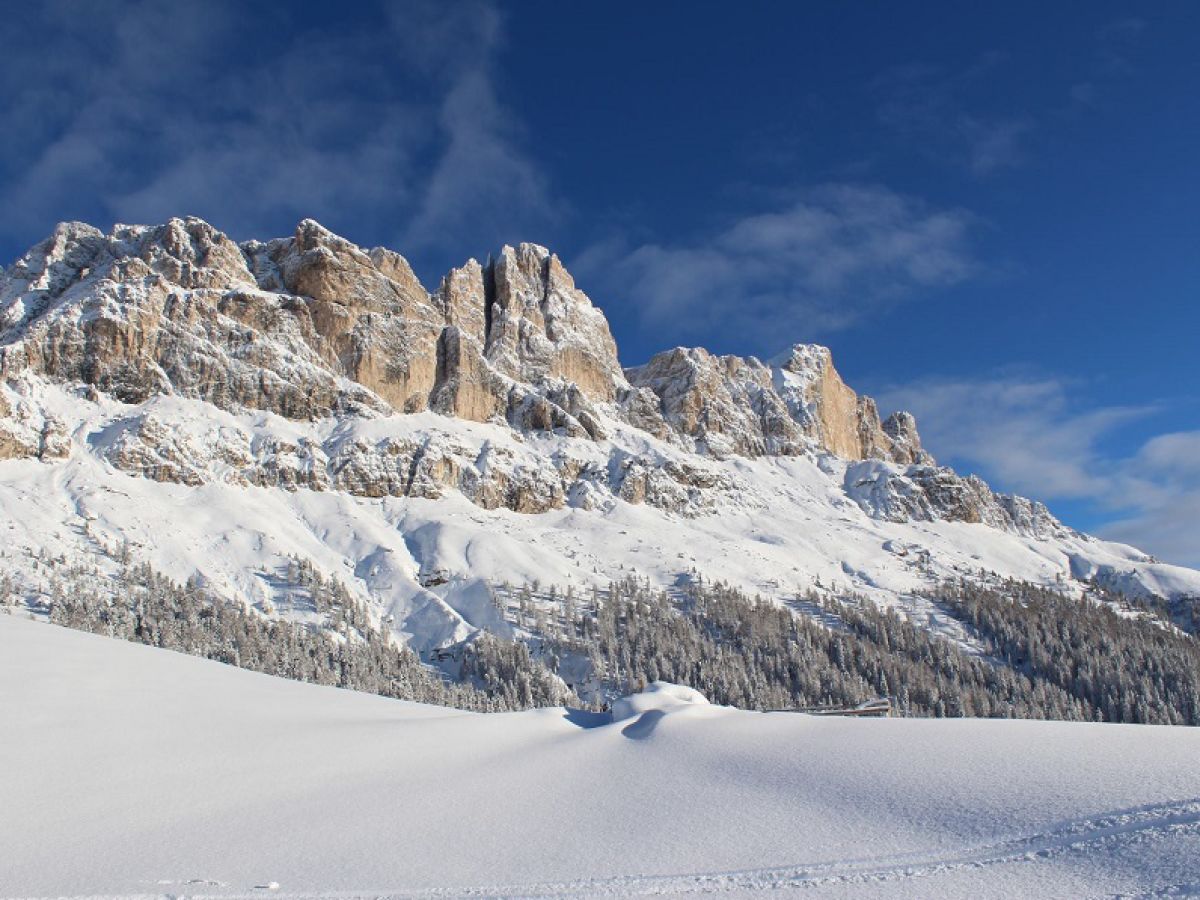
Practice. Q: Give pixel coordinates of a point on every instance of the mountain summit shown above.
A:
(312, 326)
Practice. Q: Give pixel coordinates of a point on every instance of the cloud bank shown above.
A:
(815, 264)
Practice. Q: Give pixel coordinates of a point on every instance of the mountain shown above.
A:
(218, 411)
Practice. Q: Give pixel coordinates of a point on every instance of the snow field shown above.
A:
(127, 770)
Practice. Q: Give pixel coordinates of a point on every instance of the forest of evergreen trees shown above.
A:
(346, 650)
(757, 654)
(1043, 654)
(1130, 667)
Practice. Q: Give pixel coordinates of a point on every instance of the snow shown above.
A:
(659, 697)
(127, 770)
(785, 525)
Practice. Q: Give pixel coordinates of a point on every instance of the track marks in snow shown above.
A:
(1106, 832)
(1085, 836)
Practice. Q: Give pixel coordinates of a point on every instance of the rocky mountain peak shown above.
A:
(794, 404)
(320, 331)
(312, 325)
(542, 327)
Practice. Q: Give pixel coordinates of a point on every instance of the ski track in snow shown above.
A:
(1122, 827)
(1106, 832)
(1153, 822)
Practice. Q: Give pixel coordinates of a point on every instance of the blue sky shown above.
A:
(988, 213)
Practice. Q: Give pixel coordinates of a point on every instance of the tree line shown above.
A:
(1044, 654)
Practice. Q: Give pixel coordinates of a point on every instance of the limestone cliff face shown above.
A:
(542, 327)
(314, 328)
(730, 404)
(311, 325)
(523, 343)
(307, 326)
(371, 320)
(906, 448)
(725, 403)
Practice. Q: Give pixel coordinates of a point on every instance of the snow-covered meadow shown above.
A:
(132, 771)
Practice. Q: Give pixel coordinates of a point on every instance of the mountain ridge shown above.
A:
(312, 326)
(485, 431)
(463, 349)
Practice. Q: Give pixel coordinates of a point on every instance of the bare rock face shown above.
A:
(841, 421)
(541, 327)
(730, 404)
(466, 385)
(312, 327)
(372, 321)
(725, 403)
(522, 344)
(931, 493)
(901, 427)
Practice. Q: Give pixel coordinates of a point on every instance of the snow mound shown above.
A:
(659, 696)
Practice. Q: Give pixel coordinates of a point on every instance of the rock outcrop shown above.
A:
(928, 493)
(28, 431)
(735, 405)
(492, 472)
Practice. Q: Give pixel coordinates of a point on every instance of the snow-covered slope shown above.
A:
(217, 409)
(776, 525)
(126, 770)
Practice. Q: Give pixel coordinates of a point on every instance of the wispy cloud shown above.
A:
(815, 264)
(1163, 482)
(1116, 46)
(933, 109)
(1029, 434)
(169, 109)
(482, 184)
(1116, 43)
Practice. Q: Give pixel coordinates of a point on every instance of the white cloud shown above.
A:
(1167, 529)
(1161, 485)
(817, 263)
(932, 109)
(1031, 435)
(169, 109)
(1021, 430)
